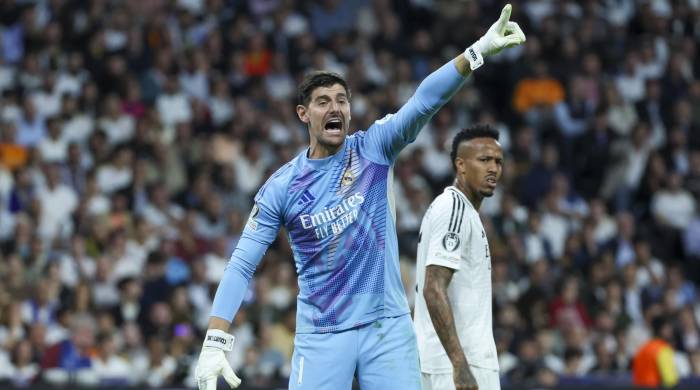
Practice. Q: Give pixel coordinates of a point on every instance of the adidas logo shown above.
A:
(306, 197)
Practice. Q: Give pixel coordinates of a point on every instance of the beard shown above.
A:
(487, 193)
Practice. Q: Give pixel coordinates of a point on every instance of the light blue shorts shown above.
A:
(382, 354)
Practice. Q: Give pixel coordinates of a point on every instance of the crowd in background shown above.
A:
(134, 134)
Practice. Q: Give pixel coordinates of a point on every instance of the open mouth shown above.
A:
(334, 125)
(491, 180)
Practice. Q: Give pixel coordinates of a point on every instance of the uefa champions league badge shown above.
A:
(450, 242)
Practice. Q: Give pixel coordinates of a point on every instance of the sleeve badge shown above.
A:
(450, 242)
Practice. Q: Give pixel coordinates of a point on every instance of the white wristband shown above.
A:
(473, 55)
(217, 338)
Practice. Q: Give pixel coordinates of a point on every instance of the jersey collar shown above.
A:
(325, 163)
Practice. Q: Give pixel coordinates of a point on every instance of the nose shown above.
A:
(334, 106)
(493, 168)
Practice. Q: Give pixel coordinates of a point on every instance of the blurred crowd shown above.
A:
(133, 135)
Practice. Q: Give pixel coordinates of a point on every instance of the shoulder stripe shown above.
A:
(458, 208)
(461, 215)
(452, 216)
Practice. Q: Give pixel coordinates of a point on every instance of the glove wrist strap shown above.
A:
(473, 55)
(219, 339)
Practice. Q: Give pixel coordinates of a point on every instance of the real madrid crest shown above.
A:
(450, 242)
(348, 178)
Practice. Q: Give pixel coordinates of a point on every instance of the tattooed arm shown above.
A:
(437, 278)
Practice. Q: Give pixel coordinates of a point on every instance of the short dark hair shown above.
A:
(316, 79)
(657, 325)
(471, 132)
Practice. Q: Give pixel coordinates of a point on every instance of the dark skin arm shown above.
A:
(437, 278)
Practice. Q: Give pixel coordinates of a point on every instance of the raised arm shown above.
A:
(388, 136)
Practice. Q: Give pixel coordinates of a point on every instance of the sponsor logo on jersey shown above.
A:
(306, 197)
(450, 242)
(333, 220)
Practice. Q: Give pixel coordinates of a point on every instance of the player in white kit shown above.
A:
(453, 317)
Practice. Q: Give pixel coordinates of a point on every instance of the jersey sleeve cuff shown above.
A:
(443, 261)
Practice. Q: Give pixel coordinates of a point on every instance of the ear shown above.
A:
(459, 163)
(303, 114)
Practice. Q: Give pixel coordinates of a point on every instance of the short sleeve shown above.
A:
(448, 232)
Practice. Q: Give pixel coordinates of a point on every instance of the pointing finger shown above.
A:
(505, 16)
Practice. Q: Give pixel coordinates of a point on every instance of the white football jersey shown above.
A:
(451, 235)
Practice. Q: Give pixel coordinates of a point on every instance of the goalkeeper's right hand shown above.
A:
(212, 361)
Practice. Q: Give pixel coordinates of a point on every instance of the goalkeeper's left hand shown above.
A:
(212, 361)
(500, 35)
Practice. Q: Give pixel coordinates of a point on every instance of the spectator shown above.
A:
(536, 182)
(22, 369)
(653, 364)
(57, 202)
(173, 106)
(631, 155)
(630, 82)
(566, 310)
(528, 365)
(118, 126)
(573, 114)
(71, 359)
(673, 206)
(42, 307)
(688, 338)
(31, 127)
(110, 368)
(622, 115)
(572, 362)
(77, 122)
(537, 246)
(593, 155)
(540, 91)
(53, 148)
(126, 169)
(161, 366)
(651, 108)
(555, 224)
(116, 176)
(129, 308)
(682, 290)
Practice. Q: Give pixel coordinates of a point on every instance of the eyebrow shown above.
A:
(489, 156)
(482, 154)
(326, 96)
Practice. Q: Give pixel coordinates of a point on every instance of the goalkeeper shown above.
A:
(335, 200)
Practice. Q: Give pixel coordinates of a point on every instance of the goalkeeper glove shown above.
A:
(212, 361)
(500, 35)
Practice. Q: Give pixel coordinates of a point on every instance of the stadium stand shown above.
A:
(133, 135)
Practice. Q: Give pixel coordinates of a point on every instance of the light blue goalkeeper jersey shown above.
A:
(340, 218)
